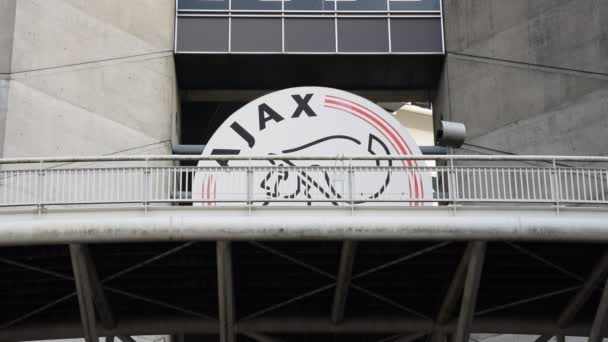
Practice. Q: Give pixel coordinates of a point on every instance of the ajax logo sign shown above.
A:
(312, 121)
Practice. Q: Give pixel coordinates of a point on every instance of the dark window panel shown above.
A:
(256, 35)
(420, 5)
(362, 5)
(202, 34)
(416, 35)
(310, 35)
(309, 5)
(362, 35)
(259, 5)
(203, 4)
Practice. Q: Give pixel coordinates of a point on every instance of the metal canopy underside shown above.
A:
(286, 289)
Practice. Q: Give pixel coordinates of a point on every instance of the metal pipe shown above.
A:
(471, 287)
(428, 225)
(180, 149)
(543, 158)
(188, 149)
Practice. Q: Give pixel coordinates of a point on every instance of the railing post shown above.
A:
(452, 183)
(249, 185)
(557, 187)
(351, 186)
(146, 181)
(41, 187)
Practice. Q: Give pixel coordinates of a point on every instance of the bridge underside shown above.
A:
(286, 290)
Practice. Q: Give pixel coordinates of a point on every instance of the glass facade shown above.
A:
(310, 26)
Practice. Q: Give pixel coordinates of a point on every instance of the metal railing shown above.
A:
(296, 180)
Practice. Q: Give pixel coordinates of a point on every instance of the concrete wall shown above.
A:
(90, 78)
(7, 24)
(527, 76)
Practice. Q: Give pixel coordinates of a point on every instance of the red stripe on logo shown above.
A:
(401, 149)
(395, 131)
(382, 133)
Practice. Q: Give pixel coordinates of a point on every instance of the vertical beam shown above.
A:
(347, 260)
(600, 322)
(100, 300)
(582, 296)
(225, 291)
(453, 293)
(84, 292)
(469, 296)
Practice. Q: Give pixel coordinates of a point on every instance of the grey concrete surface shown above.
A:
(3, 110)
(559, 33)
(90, 78)
(7, 25)
(527, 76)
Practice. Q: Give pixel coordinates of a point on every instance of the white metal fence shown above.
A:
(157, 180)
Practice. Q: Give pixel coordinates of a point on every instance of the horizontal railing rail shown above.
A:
(523, 158)
(304, 180)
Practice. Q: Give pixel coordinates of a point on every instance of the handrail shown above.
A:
(528, 158)
(339, 184)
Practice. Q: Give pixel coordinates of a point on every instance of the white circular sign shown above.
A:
(311, 121)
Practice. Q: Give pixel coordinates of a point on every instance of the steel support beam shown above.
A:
(543, 338)
(225, 291)
(600, 322)
(213, 224)
(292, 325)
(471, 287)
(84, 292)
(582, 296)
(126, 338)
(102, 306)
(347, 260)
(453, 293)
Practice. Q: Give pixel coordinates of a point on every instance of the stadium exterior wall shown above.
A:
(87, 77)
(527, 76)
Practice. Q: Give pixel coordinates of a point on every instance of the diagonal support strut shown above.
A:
(471, 287)
(84, 292)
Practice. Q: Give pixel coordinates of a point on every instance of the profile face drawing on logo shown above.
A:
(312, 121)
